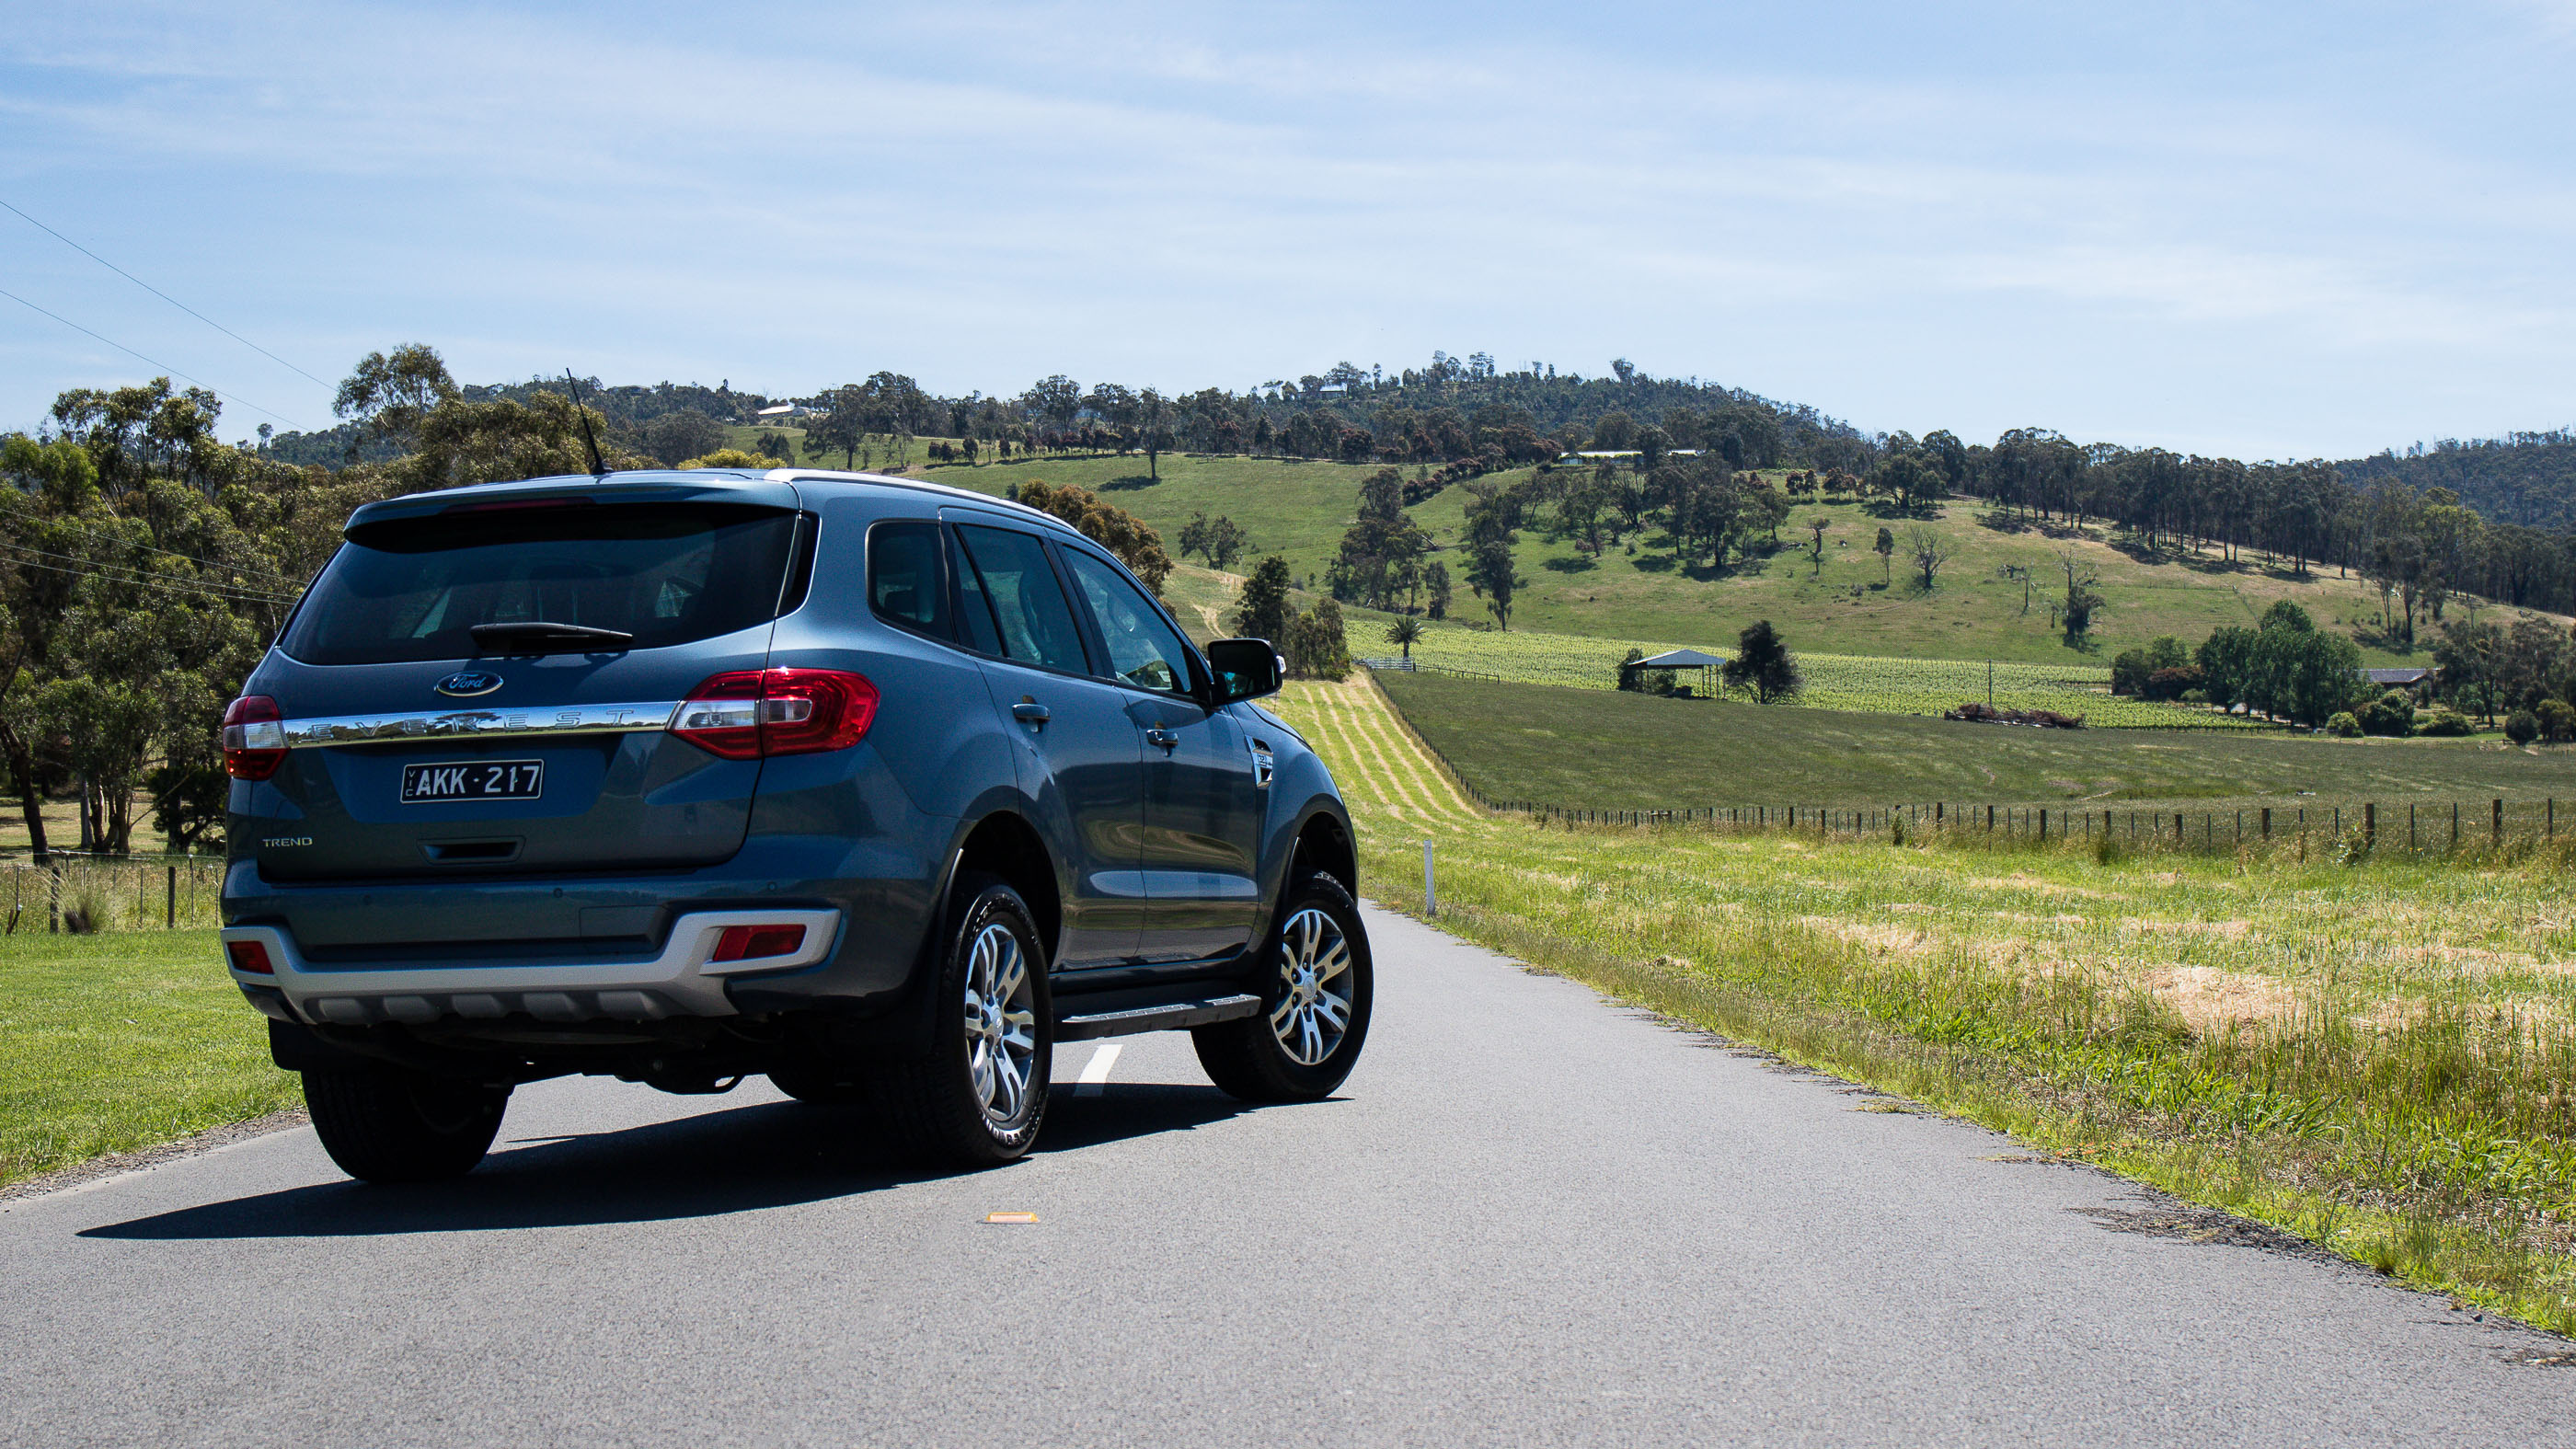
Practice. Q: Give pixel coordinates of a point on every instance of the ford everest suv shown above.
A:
(877, 787)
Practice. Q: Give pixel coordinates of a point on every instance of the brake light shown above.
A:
(515, 505)
(750, 943)
(254, 738)
(249, 956)
(750, 714)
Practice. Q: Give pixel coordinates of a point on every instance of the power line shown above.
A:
(182, 589)
(142, 575)
(154, 583)
(17, 517)
(165, 367)
(164, 296)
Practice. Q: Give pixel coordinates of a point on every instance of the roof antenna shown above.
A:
(598, 469)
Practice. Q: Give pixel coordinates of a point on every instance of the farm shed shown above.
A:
(1682, 659)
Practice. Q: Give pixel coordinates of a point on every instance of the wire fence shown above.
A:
(2427, 828)
(1416, 666)
(83, 893)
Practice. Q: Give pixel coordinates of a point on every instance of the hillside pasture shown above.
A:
(1832, 681)
(1848, 604)
(1597, 749)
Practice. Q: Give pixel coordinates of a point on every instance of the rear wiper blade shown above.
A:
(537, 631)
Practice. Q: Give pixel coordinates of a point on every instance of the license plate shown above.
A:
(474, 780)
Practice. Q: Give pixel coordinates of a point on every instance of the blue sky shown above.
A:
(2277, 231)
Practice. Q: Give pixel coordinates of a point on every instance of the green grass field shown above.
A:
(1300, 509)
(1597, 749)
(123, 1040)
(2374, 1055)
(1832, 681)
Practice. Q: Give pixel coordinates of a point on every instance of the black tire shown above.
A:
(398, 1126)
(1264, 1058)
(952, 1107)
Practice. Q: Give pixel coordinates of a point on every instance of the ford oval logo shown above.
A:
(469, 683)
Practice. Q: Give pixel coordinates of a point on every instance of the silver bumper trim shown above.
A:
(449, 724)
(683, 980)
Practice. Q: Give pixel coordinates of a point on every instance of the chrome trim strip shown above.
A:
(570, 719)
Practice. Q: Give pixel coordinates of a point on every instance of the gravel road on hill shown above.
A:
(1531, 1217)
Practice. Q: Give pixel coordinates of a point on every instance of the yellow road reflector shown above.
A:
(1010, 1217)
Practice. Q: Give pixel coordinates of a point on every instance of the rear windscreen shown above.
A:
(414, 588)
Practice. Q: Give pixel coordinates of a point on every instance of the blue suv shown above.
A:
(877, 787)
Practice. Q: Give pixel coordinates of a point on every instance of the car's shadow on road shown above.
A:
(775, 1154)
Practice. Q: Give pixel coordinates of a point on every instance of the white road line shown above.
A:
(1095, 1073)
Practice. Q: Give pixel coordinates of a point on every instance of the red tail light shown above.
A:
(249, 956)
(748, 714)
(254, 738)
(750, 943)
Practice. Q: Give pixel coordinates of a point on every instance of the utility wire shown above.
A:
(165, 367)
(164, 296)
(155, 583)
(123, 573)
(182, 589)
(14, 516)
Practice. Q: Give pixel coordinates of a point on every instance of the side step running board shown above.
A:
(1156, 1018)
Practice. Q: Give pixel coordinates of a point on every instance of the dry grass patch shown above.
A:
(2211, 999)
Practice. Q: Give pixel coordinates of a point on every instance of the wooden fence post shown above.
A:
(170, 901)
(2369, 823)
(2499, 822)
(2267, 822)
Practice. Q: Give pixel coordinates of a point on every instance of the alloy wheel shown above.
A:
(1001, 1024)
(1314, 1009)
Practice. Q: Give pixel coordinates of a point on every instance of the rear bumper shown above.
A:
(681, 980)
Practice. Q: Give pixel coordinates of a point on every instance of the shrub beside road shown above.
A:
(2372, 1054)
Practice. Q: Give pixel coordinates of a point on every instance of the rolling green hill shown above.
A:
(1845, 605)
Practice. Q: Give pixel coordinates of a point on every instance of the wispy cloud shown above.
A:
(1869, 208)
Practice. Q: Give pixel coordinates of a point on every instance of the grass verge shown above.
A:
(2374, 1054)
(114, 1042)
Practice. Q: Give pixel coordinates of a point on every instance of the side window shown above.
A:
(1028, 604)
(904, 585)
(975, 627)
(1143, 650)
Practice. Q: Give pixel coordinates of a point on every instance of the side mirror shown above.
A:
(1245, 669)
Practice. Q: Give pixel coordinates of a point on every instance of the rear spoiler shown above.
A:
(717, 488)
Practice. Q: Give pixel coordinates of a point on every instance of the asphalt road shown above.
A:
(1530, 1218)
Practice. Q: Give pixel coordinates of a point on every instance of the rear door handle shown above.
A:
(1030, 712)
(1166, 738)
